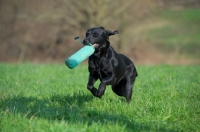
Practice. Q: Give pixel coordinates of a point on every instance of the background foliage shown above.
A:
(151, 31)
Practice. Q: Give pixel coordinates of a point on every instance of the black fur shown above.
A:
(109, 66)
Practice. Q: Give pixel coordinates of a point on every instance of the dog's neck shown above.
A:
(102, 50)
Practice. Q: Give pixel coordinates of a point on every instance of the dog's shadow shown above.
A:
(70, 108)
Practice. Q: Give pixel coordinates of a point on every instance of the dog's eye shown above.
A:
(95, 35)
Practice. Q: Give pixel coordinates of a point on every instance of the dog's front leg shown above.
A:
(90, 85)
(102, 87)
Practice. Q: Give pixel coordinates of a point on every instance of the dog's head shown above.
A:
(98, 37)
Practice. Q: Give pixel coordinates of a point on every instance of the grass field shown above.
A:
(50, 97)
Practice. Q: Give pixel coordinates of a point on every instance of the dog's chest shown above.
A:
(102, 70)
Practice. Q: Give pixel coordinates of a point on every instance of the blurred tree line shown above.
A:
(43, 31)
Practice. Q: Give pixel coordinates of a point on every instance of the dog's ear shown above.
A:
(112, 33)
(102, 28)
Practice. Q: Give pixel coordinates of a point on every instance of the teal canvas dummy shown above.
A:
(80, 55)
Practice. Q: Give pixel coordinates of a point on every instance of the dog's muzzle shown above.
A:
(86, 41)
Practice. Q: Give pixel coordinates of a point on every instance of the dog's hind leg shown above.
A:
(130, 76)
(129, 89)
(124, 88)
(119, 89)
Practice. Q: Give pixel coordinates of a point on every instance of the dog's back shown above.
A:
(128, 63)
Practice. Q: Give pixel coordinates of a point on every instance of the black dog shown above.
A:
(108, 66)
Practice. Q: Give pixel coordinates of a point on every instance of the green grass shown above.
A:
(53, 98)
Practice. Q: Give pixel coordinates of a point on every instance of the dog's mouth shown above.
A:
(96, 45)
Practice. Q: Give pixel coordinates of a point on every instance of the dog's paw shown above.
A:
(94, 91)
(100, 93)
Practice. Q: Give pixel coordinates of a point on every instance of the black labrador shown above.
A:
(108, 66)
